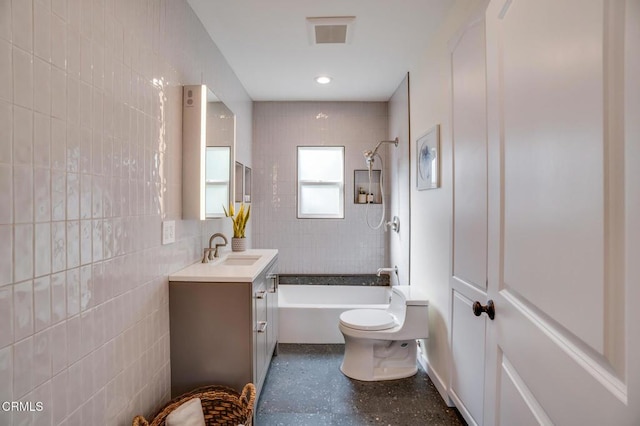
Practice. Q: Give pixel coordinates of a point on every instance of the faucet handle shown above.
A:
(207, 255)
(215, 251)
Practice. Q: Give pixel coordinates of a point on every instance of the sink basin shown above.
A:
(240, 260)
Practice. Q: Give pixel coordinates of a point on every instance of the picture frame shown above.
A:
(428, 159)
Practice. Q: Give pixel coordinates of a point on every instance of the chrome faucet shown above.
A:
(213, 252)
(381, 270)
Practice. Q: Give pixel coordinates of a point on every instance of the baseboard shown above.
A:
(435, 378)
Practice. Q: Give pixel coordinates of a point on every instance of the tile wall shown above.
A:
(90, 165)
(315, 246)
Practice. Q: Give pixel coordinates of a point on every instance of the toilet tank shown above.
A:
(410, 306)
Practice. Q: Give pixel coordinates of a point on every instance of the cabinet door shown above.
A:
(272, 312)
(260, 332)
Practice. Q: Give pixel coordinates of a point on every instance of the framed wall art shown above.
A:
(428, 159)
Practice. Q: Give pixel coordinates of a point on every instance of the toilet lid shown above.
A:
(367, 319)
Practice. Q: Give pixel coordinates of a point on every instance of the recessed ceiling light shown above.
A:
(323, 79)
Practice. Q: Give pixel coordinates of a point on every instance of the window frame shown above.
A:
(310, 183)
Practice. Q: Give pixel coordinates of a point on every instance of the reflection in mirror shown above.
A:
(239, 175)
(208, 154)
(217, 179)
(247, 185)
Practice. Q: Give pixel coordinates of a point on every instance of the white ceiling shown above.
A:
(266, 43)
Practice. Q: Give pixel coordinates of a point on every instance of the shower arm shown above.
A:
(370, 154)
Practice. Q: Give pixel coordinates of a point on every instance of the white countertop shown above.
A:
(218, 271)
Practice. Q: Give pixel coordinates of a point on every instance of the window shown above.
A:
(217, 180)
(321, 182)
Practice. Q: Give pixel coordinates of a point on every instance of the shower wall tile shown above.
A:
(6, 71)
(90, 166)
(334, 246)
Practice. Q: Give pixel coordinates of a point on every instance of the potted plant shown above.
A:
(238, 242)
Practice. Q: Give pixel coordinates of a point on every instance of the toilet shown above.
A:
(380, 344)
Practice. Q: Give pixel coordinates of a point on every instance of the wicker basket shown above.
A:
(221, 406)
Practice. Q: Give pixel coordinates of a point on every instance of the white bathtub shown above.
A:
(310, 313)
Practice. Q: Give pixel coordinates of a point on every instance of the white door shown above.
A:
(564, 212)
(469, 257)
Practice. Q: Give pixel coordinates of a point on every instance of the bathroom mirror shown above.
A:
(208, 154)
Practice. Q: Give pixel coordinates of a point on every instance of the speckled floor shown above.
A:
(304, 386)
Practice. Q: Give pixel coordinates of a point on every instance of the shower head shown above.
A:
(368, 154)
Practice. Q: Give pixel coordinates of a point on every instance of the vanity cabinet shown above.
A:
(223, 333)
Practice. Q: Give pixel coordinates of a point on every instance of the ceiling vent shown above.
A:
(330, 29)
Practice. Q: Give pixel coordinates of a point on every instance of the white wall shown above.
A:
(399, 183)
(315, 246)
(431, 210)
(90, 164)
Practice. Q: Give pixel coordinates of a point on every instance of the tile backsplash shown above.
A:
(90, 166)
(316, 246)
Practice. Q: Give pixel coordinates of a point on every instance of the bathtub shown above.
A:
(310, 313)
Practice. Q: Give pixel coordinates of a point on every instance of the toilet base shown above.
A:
(376, 360)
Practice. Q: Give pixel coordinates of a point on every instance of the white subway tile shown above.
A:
(42, 31)
(59, 397)
(41, 86)
(58, 93)
(41, 358)
(6, 70)
(59, 7)
(43, 249)
(73, 52)
(86, 208)
(22, 24)
(6, 316)
(6, 374)
(86, 232)
(73, 244)
(41, 140)
(58, 340)
(23, 310)
(59, 42)
(23, 194)
(42, 302)
(73, 196)
(42, 194)
(73, 339)
(73, 292)
(23, 252)
(86, 59)
(22, 135)
(58, 246)
(22, 78)
(44, 395)
(73, 99)
(22, 368)
(58, 144)
(6, 194)
(5, 20)
(58, 298)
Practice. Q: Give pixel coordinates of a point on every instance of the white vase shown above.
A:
(238, 244)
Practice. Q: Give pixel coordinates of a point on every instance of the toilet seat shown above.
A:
(367, 319)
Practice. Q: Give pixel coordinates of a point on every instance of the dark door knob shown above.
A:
(489, 308)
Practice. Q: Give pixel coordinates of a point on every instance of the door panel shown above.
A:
(467, 348)
(553, 160)
(470, 158)
(559, 214)
(469, 274)
(517, 405)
